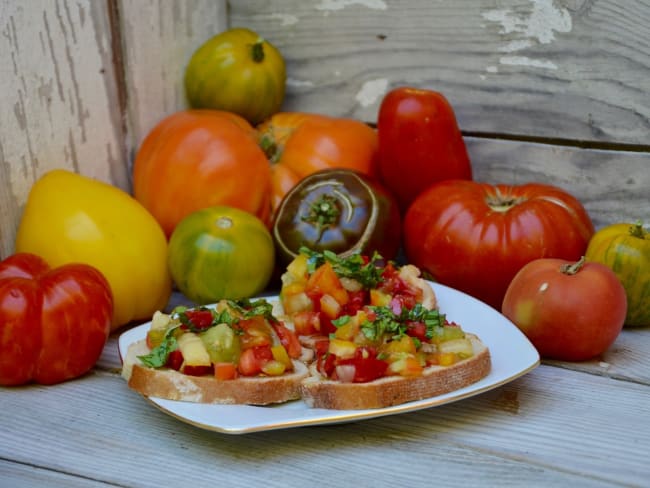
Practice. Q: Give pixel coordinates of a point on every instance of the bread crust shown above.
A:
(319, 392)
(173, 385)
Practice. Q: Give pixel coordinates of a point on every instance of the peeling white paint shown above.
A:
(341, 4)
(285, 19)
(524, 30)
(299, 83)
(526, 61)
(372, 91)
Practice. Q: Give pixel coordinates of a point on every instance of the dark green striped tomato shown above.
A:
(237, 71)
(221, 252)
(625, 249)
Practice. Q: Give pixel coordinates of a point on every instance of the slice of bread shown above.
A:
(320, 392)
(173, 385)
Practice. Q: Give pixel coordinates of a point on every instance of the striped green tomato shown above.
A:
(625, 248)
(237, 71)
(221, 252)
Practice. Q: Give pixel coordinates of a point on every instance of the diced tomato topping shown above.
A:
(253, 359)
(326, 325)
(417, 330)
(366, 369)
(357, 300)
(288, 339)
(326, 363)
(225, 371)
(321, 346)
(306, 323)
(197, 370)
(201, 319)
(257, 332)
(174, 360)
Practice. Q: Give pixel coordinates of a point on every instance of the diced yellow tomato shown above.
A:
(379, 298)
(280, 354)
(274, 368)
(326, 281)
(296, 303)
(298, 267)
(404, 345)
(348, 331)
(407, 366)
(442, 358)
(329, 306)
(193, 350)
(306, 323)
(462, 347)
(342, 349)
(225, 371)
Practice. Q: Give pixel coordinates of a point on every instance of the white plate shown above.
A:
(512, 356)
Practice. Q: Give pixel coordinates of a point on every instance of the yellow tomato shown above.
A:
(72, 218)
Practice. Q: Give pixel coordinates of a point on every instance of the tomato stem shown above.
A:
(572, 268)
(323, 213)
(636, 230)
(257, 51)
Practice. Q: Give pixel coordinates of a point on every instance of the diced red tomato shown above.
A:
(197, 370)
(306, 323)
(288, 339)
(201, 319)
(356, 302)
(366, 369)
(253, 359)
(417, 330)
(326, 363)
(225, 371)
(175, 360)
(257, 332)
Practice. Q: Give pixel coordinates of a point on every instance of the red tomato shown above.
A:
(201, 319)
(252, 360)
(288, 339)
(475, 237)
(419, 143)
(569, 311)
(201, 158)
(54, 323)
(299, 144)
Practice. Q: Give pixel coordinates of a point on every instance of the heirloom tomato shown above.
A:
(419, 143)
(54, 322)
(338, 210)
(475, 236)
(237, 71)
(201, 158)
(625, 248)
(299, 144)
(221, 252)
(72, 218)
(572, 311)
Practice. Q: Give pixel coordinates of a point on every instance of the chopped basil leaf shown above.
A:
(157, 358)
(353, 266)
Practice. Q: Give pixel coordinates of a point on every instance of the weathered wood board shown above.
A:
(83, 81)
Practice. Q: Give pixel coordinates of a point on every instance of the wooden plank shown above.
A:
(532, 68)
(59, 93)
(612, 185)
(16, 475)
(159, 39)
(95, 427)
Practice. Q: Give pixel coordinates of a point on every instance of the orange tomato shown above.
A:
(195, 159)
(299, 144)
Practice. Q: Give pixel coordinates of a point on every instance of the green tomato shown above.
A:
(221, 252)
(237, 71)
(625, 249)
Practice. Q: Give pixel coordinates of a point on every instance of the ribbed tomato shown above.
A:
(475, 236)
(299, 144)
(221, 252)
(201, 158)
(625, 249)
(237, 71)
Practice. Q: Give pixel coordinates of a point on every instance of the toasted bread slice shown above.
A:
(320, 392)
(173, 385)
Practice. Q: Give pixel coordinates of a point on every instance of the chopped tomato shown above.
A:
(366, 369)
(326, 281)
(288, 339)
(417, 330)
(225, 371)
(306, 323)
(201, 319)
(253, 359)
(257, 332)
(356, 302)
(175, 360)
(326, 363)
(197, 370)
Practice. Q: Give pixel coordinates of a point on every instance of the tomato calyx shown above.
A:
(572, 268)
(257, 50)
(324, 212)
(502, 203)
(636, 230)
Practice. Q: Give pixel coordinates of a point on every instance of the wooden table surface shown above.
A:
(562, 424)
